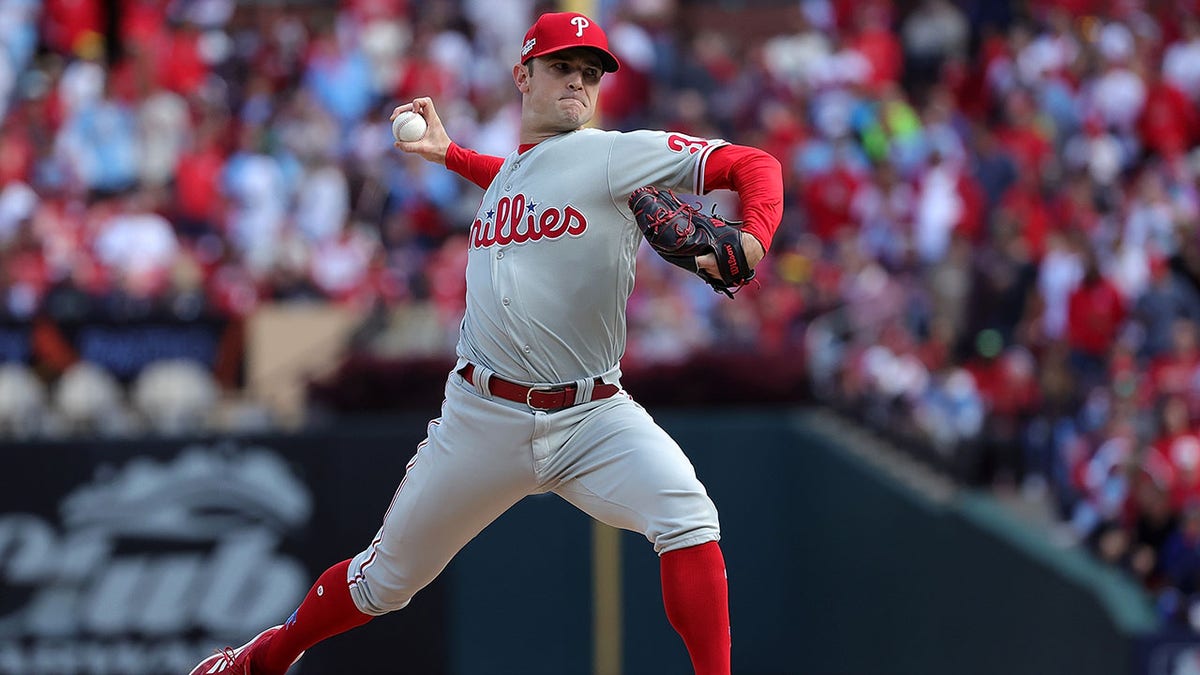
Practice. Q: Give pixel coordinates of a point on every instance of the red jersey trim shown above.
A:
(698, 180)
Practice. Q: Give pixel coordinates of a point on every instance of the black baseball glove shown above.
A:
(679, 232)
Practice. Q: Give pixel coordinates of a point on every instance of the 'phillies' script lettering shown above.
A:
(516, 221)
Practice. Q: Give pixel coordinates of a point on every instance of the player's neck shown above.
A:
(530, 140)
(529, 137)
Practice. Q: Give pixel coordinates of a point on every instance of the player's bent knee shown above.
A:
(370, 599)
(377, 587)
(697, 525)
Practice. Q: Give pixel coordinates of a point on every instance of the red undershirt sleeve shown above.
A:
(757, 177)
(477, 168)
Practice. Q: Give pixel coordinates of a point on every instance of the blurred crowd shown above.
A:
(1006, 232)
(990, 246)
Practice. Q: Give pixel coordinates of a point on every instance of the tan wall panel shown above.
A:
(288, 345)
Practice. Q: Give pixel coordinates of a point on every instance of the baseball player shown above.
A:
(534, 403)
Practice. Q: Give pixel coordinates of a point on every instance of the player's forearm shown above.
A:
(479, 169)
(757, 177)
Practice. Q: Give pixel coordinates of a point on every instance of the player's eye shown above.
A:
(591, 74)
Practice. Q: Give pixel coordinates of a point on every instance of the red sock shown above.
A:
(696, 598)
(326, 611)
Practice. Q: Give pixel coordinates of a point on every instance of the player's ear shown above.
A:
(521, 77)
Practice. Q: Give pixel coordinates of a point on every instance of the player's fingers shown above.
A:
(423, 106)
(399, 109)
(708, 263)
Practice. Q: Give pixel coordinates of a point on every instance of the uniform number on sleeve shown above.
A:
(681, 143)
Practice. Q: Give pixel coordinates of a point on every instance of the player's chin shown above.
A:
(576, 116)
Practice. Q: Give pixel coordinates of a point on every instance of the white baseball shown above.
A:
(408, 127)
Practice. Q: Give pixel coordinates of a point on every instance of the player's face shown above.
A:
(560, 90)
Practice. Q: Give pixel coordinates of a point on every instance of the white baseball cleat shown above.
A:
(230, 661)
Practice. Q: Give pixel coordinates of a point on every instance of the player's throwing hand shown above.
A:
(434, 144)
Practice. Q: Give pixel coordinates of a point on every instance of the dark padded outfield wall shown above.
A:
(836, 565)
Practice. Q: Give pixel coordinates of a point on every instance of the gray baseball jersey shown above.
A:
(550, 269)
(553, 247)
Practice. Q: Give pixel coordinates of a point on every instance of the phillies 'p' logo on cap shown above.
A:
(556, 31)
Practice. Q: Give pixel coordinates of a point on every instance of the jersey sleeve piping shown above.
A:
(608, 182)
(698, 171)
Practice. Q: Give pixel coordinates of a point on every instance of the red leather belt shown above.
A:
(546, 399)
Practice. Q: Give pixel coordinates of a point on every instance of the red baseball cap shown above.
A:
(556, 31)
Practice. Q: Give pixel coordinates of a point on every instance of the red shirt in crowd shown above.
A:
(16, 156)
(1094, 314)
(827, 199)
(1168, 120)
(1025, 205)
(67, 24)
(1007, 386)
(185, 70)
(973, 217)
(198, 184)
(627, 93)
(883, 51)
(1182, 453)
(1172, 374)
(1027, 146)
(1074, 209)
(782, 134)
